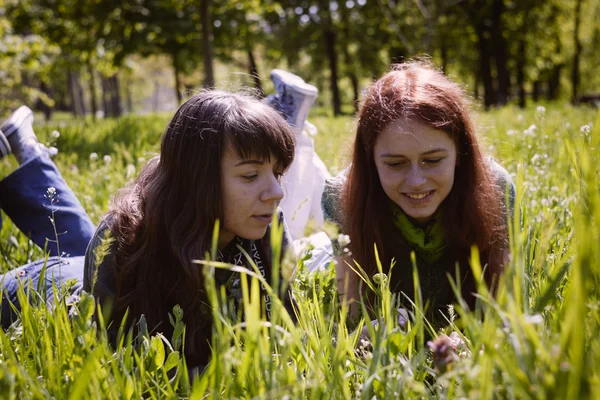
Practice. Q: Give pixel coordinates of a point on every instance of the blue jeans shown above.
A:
(22, 197)
(62, 272)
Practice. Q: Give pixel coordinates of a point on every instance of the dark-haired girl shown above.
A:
(420, 182)
(221, 158)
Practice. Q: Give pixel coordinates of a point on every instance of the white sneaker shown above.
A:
(21, 116)
(294, 97)
(18, 129)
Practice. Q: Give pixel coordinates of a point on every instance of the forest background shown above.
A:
(106, 58)
(94, 60)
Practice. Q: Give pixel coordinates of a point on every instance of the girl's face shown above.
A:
(416, 164)
(251, 192)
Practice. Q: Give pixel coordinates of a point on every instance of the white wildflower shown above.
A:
(107, 159)
(52, 151)
(534, 319)
(520, 118)
(94, 157)
(585, 129)
(531, 130)
(55, 134)
(51, 191)
(130, 170)
(541, 110)
(343, 240)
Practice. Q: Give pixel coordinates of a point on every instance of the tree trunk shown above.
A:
(47, 110)
(129, 98)
(207, 50)
(253, 70)
(536, 91)
(444, 53)
(501, 53)
(521, 72)
(178, 93)
(355, 91)
(348, 60)
(115, 96)
(554, 79)
(554, 82)
(476, 86)
(522, 61)
(442, 33)
(93, 100)
(105, 97)
(575, 77)
(330, 43)
(485, 67)
(333, 68)
(77, 103)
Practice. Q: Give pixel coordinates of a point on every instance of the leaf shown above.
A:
(159, 351)
(172, 361)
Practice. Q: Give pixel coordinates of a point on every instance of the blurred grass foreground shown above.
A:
(537, 339)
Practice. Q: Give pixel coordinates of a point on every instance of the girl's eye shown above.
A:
(250, 177)
(432, 161)
(395, 164)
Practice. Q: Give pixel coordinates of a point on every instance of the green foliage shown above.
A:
(22, 56)
(536, 339)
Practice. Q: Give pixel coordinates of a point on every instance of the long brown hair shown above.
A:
(473, 208)
(166, 218)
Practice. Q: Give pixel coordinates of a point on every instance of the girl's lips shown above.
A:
(266, 218)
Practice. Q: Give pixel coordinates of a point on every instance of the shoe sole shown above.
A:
(16, 119)
(294, 82)
(4, 146)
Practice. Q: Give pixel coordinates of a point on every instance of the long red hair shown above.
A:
(473, 209)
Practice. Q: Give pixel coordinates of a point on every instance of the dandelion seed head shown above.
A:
(55, 134)
(107, 159)
(94, 157)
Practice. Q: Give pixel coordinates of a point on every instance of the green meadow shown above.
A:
(537, 339)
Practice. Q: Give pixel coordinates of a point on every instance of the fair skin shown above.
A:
(251, 192)
(416, 164)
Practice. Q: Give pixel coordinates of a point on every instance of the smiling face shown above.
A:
(251, 191)
(416, 164)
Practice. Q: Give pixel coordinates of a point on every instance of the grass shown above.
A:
(536, 339)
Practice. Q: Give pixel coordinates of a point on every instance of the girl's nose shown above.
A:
(273, 191)
(416, 178)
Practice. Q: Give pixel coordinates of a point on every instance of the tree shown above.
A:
(575, 77)
(207, 51)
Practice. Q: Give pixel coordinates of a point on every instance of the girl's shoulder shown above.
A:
(504, 183)
(331, 198)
